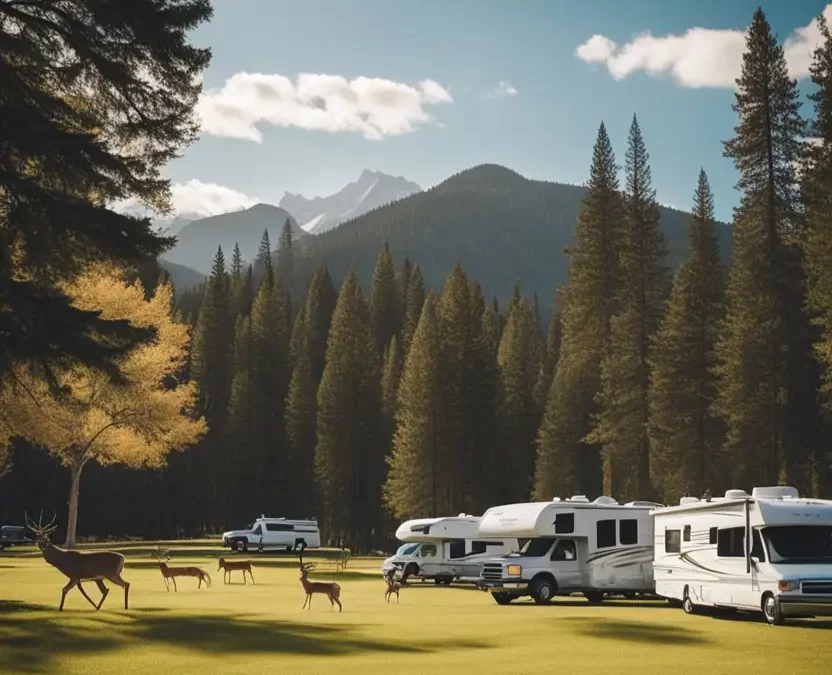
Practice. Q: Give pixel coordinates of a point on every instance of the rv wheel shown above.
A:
(594, 597)
(241, 545)
(687, 604)
(771, 610)
(502, 598)
(543, 590)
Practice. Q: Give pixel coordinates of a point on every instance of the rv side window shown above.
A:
(478, 546)
(712, 537)
(672, 541)
(565, 523)
(457, 549)
(757, 550)
(686, 533)
(628, 531)
(731, 542)
(279, 527)
(605, 533)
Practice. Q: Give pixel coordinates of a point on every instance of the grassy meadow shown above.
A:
(250, 628)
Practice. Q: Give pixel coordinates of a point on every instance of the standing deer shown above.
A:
(229, 566)
(328, 588)
(163, 555)
(393, 586)
(89, 566)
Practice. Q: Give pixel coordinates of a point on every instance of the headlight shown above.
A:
(788, 585)
(514, 570)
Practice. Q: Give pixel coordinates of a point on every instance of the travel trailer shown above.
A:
(769, 552)
(596, 548)
(445, 549)
(274, 533)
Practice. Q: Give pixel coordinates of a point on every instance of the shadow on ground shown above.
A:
(33, 637)
(635, 631)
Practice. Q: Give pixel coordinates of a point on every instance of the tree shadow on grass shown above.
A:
(636, 631)
(32, 637)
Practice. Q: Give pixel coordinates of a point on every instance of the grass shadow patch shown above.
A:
(636, 631)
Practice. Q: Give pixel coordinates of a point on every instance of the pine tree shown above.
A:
(413, 311)
(418, 479)
(391, 370)
(685, 433)
(236, 263)
(264, 257)
(551, 352)
(765, 396)
(286, 258)
(241, 422)
(519, 358)
(818, 245)
(621, 423)
(384, 300)
(349, 462)
(566, 462)
(320, 304)
(299, 330)
(403, 281)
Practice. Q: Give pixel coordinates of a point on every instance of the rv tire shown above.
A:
(543, 590)
(771, 610)
(502, 598)
(687, 603)
(594, 597)
(241, 545)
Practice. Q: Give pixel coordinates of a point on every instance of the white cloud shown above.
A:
(374, 107)
(195, 199)
(700, 57)
(502, 89)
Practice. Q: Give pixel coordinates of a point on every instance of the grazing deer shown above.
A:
(229, 566)
(163, 555)
(329, 588)
(90, 566)
(393, 586)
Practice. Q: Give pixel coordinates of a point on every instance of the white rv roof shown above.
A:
(536, 519)
(432, 529)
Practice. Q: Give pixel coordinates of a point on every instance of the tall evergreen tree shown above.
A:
(236, 263)
(566, 462)
(286, 258)
(818, 246)
(384, 300)
(621, 423)
(551, 351)
(391, 370)
(519, 358)
(241, 422)
(299, 330)
(766, 392)
(403, 280)
(418, 479)
(413, 307)
(264, 257)
(242, 292)
(685, 432)
(320, 303)
(349, 463)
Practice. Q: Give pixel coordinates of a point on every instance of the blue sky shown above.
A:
(679, 87)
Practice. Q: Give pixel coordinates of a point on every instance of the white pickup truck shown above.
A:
(274, 533)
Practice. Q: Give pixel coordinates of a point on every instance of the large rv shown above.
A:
(445, 549)
(573, 545)
(769, 552)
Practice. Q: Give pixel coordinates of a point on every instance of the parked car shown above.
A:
(12, 535)
(274, 533)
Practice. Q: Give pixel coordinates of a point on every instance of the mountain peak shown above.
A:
(371, 190)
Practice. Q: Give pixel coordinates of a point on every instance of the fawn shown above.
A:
(328, 588)
(93, 566)
(172, 572)
(229, 566)
(393, 586)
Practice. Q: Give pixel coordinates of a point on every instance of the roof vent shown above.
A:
(775, 492)
(736, 494)
(578, 498)
(644, 504)
(555, 499)
(605, 501)
(688, 500)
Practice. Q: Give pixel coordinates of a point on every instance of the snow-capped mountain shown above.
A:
(371, 190)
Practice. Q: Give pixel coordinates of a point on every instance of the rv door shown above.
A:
(565, 565)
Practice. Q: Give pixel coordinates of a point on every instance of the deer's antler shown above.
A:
(40, 529)
(161, 553)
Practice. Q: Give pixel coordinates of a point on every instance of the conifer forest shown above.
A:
(362, 404)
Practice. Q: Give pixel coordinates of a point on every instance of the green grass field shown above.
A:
(259, 628)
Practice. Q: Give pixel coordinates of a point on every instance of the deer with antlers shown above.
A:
(229, 566)
(163, 555)
(328, 588)
(77, 566)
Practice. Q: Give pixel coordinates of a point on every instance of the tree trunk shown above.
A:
(72, 516)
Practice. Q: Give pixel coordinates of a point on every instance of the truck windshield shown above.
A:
(407, 549)
(536, 548)
(799, 544)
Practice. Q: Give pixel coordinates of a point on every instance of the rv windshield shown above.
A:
(407, 549)
(535, 548)
(799, 544)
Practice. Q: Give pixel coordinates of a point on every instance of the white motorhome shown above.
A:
(445, 549)
(769, 551)
(274, 533)
(596, 548)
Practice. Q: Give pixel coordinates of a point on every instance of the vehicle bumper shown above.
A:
(503, 585)
(807, 605)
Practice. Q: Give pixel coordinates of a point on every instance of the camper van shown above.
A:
(445, 549)
(570, 546)
(768, 552)
(274, 533)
